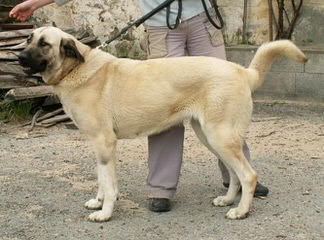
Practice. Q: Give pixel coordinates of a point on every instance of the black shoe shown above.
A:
(159, 204)
(260, 190)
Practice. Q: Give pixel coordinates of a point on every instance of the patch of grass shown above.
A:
(307, 41)
(16, 110)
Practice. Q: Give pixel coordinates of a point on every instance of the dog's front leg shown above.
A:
(105, 148)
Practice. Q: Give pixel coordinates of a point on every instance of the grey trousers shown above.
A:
(195, 37)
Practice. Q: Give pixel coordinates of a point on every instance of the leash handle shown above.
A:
(218, 14)
(178, 19)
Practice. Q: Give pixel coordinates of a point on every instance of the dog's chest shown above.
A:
(71, 113)
(69, 106)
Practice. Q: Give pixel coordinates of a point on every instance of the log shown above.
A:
(20, 46)
(11, 81)
(15, 34)
(9, 55)
(16, 26)
(14, 68)
(11, 42)
(4, 12)
(29, 92)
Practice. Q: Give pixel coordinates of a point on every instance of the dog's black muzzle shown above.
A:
(31, 63)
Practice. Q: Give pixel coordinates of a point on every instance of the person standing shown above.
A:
(194, 35)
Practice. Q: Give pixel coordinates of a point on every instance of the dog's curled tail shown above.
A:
(267, 53)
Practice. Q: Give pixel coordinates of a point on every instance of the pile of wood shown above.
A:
(12, 41)
(13, 81)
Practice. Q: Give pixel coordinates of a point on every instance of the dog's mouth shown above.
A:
(32, 69)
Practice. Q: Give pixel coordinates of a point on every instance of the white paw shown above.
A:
(99, 216)
(236, 213)
(222, 201)
(93, 204)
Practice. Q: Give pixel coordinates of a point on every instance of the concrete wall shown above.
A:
(287, 79)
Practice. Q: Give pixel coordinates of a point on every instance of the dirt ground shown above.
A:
(46, 177)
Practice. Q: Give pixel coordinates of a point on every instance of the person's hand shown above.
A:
(22, 11)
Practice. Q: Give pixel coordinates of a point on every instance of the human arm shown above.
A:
(23, 10)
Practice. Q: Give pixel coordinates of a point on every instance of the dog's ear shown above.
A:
(69, 48)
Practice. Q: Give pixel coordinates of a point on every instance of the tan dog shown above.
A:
(110, 98)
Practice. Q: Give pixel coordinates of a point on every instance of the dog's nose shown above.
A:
(22, 57)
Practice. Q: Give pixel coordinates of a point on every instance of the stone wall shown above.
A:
(105, 17)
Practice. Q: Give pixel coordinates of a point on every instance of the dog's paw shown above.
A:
(236, 213)
(222, 201)
(93, 204)
(99, 216)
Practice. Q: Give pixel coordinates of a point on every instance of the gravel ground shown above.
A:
(46, 177)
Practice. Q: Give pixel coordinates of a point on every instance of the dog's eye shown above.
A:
(42, 43)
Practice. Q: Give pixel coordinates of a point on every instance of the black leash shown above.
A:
(218, 14)
(166, 4)
(138, 22)
(178, 19)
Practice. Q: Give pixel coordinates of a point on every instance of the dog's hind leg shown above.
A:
(105, 149)
(223, 140)
(234, 186)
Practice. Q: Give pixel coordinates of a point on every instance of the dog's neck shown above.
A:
(74, 73)
(55, 76)
(58, 74)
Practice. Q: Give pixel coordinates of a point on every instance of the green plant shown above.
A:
(307, 41)
(15, 110)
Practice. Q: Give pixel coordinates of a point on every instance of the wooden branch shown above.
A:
(282, 34)
(281, 6)
(30, 92)
(51, 114)
(270, 20)
(266, 135)
(293, 22)
(244, 21)
(293, 4)
(46, 116)
(286, 15)
(56, 119)
(34, 120)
